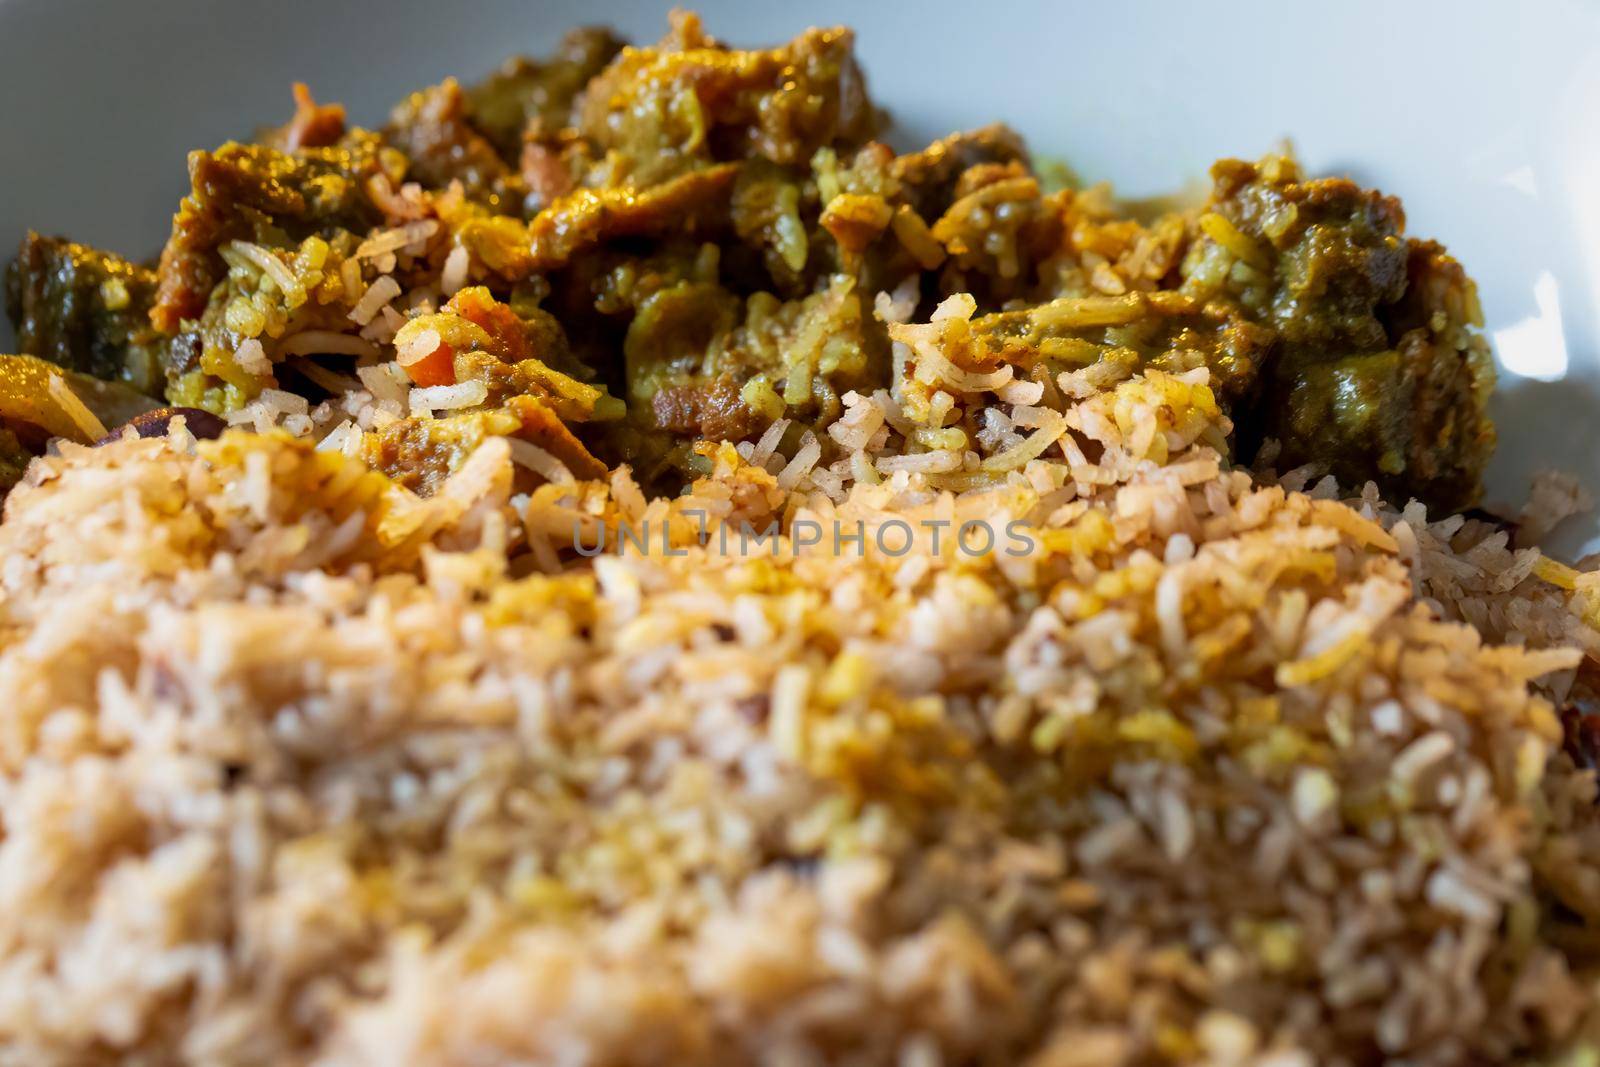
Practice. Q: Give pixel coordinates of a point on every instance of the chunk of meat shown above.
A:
(86, 310)
(997, 230)
(1165, 330)
(967, 204)
(1380, 372)
(535, 95)
(543, 427)
(672, 335)
(927, 179)
(713, 410)
(420, 453)
(799, 357)
(689, 204)
(1412, 417)
(1317, 259)
(658, 112)
(432, 129)
(249, 192)
(1336, 250)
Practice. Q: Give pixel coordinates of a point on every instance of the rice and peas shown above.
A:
(299, 765)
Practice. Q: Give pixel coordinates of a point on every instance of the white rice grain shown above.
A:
(390, 241)
(386, 381)
(448, 397)
(285, 403)
(416, 348)
(326, 342)
(269, 264)
(542, 463)
(377, 296)
(799, 467)
(921, 462)
(453, 277)
(1421, 754)
(768, 443)
(342, 438)
(252, 358)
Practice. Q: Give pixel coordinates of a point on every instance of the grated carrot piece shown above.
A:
(436, 368)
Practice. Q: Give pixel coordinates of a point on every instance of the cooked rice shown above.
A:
(377, 297)
(448, 397)
(417, 347)
(252, 358)
(294, 771)
(269, 264)
(1064, 742)
(536, 459)
(393, 240)
(454, 275)
(284, 402)
(326, 342)
(799, 468)
(768, 443)
(345, 437)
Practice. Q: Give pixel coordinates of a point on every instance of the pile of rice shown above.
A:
(297, 768)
